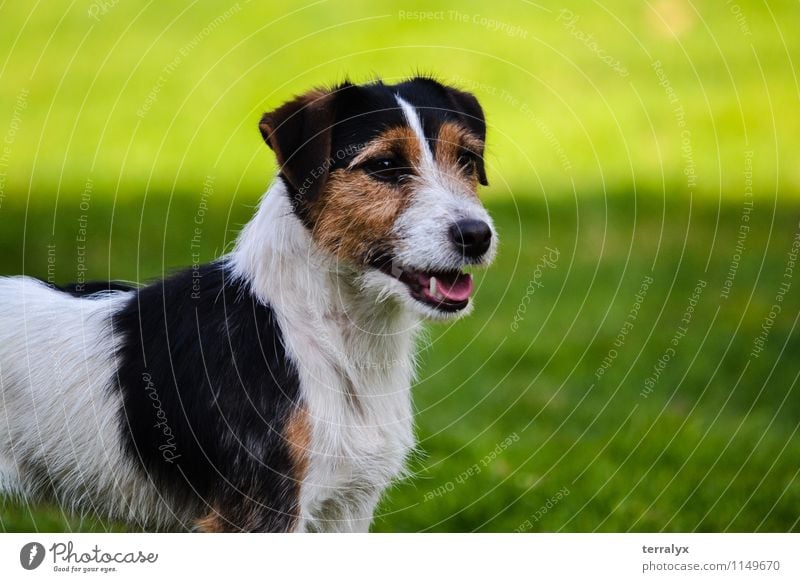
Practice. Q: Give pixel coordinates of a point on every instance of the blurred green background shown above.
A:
(627, 143)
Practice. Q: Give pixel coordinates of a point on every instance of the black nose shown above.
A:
(471, 237)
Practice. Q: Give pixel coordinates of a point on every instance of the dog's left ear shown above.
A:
(299, 132)
(471, 113)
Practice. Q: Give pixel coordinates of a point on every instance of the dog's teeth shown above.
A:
(432, 287)
(396, 270)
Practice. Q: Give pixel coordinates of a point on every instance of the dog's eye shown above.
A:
(388, 169)
(468, 162)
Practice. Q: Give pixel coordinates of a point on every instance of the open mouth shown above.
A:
(446, 290)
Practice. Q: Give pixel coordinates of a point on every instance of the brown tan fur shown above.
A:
(356, 212)
(451, 140)
(298, 437)
(212, 523)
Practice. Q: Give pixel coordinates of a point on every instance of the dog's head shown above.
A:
(385, 177)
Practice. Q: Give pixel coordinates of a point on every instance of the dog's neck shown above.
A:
(277, 256)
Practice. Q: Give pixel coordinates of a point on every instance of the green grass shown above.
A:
(558, 115)
(144, 102)
(714, 447)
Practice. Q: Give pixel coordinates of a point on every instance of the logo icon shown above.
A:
(31, 555)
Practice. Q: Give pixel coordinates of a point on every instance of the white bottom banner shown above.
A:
(401, 556)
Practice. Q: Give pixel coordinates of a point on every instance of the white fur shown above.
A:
(59, 433)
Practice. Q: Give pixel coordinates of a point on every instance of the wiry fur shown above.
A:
(305, 438)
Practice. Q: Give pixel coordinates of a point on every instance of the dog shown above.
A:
(268, 390)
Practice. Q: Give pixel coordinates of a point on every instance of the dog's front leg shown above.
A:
(10, 483)
(239, 510)
(356, 513)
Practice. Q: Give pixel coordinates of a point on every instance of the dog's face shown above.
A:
(385, 177)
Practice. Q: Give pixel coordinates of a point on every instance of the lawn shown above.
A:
(521, 404)
(622, 370)
(587, 95)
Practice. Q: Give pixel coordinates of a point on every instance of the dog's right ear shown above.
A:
(299, 132)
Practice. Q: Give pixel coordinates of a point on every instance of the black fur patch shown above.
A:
(207, 392)
(353, 116)
(365, 111)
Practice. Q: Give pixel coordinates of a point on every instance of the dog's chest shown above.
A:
(356, 453)
(356, 390)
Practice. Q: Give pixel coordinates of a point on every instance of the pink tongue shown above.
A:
(459, 289)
